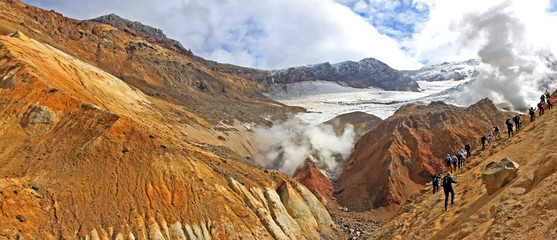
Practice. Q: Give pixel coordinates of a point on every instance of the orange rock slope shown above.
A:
(525, 208)
(398, 157)
(84, 154)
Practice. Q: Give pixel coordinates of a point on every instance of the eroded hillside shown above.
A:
(525, 208)
(85, 154)
(397, 157)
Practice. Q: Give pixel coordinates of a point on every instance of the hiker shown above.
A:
(459, 158)
(483, 139)
(448, 188)
(510, 127)
(435, 182)
(540, 106)
(532, 113)
(517, 122)
(489, 137)
(448, 162)
(467, 147)
(463, 158)
(542, 99)
(547, 96)
(549, 99)
(496, 133)
(454, 162)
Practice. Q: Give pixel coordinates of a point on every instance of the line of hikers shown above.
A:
(544, 99)
(458, 160)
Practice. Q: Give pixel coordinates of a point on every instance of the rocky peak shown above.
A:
(368, 72)
(148, 32)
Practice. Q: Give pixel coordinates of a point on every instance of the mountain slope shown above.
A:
(526, 208)
(120, 154)
(396, 158)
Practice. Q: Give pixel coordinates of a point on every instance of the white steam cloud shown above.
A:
(514, 71)
(286, 146)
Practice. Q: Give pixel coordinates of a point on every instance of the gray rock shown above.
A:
(37, 114)
(498, 174)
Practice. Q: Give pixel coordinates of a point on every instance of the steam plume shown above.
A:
(286, 146)
(514, 71)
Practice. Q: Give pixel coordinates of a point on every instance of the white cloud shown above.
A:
(278, 34)
(264, 34)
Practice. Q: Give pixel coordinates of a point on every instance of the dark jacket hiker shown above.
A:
(448, 188)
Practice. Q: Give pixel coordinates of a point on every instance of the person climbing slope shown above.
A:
(435, 182)
(467, 147)
(496, 133)
(532, 113)
(448, 163)
(517, 122)
(540, 106)
(483, 139)
(510, 127)
(448, 188)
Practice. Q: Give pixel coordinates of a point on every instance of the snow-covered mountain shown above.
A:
(445, 71)
(327, 99)
(368, 72)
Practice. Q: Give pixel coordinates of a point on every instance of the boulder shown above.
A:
(498, 174)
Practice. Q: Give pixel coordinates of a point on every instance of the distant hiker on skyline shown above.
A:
(435, 182)
(532, 113)
(496, 133)
(509, 127)
(448, 188)
(467, 147)
(483, 139)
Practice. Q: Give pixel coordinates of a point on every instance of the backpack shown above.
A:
(445, 181)
(509, 121)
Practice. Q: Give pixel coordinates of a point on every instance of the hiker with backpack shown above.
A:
(454, 162)
(510, 127)
(467, 147)
(459, 160)
(483, 139)
(532, 113)
(517, 122)
(489, 137)
(448, 163)
(540, 106)
(496, 133)
(435, 182)
(448, 188)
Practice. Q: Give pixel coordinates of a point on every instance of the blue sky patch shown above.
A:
(397, 19)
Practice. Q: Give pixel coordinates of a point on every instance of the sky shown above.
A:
(275, 34)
